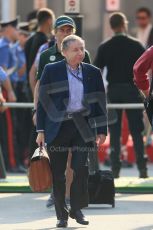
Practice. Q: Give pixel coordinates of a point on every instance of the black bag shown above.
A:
(101, 188)
(148, 104)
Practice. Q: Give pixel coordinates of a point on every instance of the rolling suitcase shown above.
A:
(101, 186)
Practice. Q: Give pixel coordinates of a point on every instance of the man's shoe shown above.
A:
(143, 173)
(50, 201)
(79, 217)
(61, 223)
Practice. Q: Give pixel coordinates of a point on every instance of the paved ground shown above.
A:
(28, 212)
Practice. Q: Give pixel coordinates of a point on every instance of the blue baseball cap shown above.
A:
(64, 21)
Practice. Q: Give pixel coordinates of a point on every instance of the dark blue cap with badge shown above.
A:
(24, 28)
(12, 23)
(64, 21)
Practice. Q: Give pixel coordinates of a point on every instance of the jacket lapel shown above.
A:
(64, 75)
(63, 70)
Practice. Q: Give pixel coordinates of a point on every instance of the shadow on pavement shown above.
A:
(144, 228)
(24, 208)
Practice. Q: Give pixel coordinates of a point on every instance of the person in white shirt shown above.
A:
(145, 27)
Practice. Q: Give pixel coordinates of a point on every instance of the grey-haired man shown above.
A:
(72, 81)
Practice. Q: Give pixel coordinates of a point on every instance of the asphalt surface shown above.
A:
(29, 212)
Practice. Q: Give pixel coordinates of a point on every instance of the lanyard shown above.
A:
(76, 76)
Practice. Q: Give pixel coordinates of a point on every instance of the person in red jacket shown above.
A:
(142, 69)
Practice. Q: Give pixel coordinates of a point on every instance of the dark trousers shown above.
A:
(126, 93)
(21, 123)
(4, 139)
(69, 137)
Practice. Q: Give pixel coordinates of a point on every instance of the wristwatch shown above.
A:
(33, 111)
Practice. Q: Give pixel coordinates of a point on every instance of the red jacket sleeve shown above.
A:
(141, 67)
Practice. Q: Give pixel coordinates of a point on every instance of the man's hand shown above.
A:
(100, 139)
(145, 92)
(2, 100)
(34, 119)
(11, 96)
(40, 139)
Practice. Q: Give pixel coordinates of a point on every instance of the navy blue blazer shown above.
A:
(54, 95)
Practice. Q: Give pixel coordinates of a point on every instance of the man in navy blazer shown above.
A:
(71, 111)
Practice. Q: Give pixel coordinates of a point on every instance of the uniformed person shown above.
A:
(20, 87)
(8, 61)
(63, 27)
(119, 54)
(7, 58)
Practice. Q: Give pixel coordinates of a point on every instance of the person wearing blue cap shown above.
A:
(60, 22)
(7, 57)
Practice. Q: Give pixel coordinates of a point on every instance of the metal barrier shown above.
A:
(109, 106)
(31, 105)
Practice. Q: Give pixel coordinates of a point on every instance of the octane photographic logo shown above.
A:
(49, 93)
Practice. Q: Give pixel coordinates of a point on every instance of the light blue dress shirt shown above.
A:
(76, 90)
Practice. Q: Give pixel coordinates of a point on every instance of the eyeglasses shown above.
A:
(141, 18)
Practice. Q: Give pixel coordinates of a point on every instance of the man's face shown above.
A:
(75, 52)
(63, 32)
(22, 38)
(143, 19)
(14, 33)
